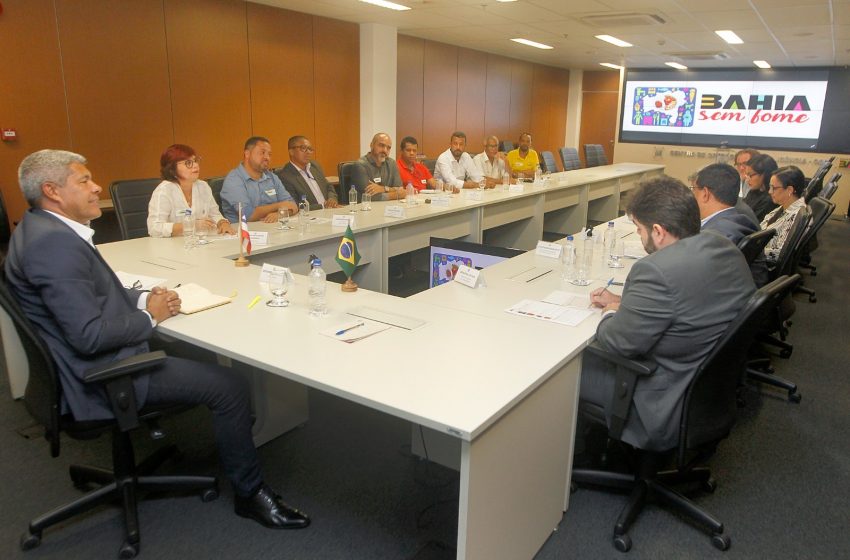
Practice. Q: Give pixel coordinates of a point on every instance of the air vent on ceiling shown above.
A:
(697, 56)
(610, 21)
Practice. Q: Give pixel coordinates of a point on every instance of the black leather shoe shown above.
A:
(267, 508)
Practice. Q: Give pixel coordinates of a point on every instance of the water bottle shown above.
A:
(537, 175)
(188, 229)
(318, 283)
(352, 199)
(585, 266)
(568, 260)
(609, 239)
(304, 207)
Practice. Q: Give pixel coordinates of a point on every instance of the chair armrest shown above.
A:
(628, 372)
(118, 382)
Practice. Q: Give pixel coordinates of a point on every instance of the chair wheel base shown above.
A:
(29, 540)
(709, 485)
(795, 397)
(623, 543)
(209, 495)
(813, 299)
(785, 353)
(128, 550)
(721, 542)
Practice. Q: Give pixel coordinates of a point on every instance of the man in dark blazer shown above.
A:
(304, 177)
(677, 302)
(87, 318)
(715, 190)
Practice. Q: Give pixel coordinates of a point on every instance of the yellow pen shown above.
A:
(254, 302)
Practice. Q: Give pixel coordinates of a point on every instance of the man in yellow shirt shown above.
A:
(523, 161)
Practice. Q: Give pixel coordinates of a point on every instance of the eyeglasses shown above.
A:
(752, 174)
(190, 163)
(774, 187)
(741, 163)
(305, 148)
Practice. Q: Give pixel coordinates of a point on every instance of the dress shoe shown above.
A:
(267, 508)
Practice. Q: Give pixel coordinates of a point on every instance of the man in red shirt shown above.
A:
(412, 172)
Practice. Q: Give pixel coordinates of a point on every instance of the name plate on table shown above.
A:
(473, 195)
(394, 211)
(259, 237)
(468, 276)
(266, 270)
(517, 188)
(546, 249)
(342, 220)
(441, 201)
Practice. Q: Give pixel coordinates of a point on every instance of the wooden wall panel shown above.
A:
(498, 98)
(541, 114)
(471, 96)
(600, 96)
(559, 101)
(32, 98)
(117, 86)
(280, 51)
(520, 117)
(440, 104)
(410, 88)
(336, 63)
(210, 91)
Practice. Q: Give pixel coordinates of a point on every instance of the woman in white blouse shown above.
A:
(181, 189)
(786, 189)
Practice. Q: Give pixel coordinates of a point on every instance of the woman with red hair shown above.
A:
(181, 189)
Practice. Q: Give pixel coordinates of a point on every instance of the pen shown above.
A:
(343, 331)
(253, 302)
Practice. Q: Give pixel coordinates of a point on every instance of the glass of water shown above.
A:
(618, 252)
(279, 280)
(283, 218)
(366, 204)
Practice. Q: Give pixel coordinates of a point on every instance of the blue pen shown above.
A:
(343, 331)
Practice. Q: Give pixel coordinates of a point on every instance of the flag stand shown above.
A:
(349, 285)
(241, 261)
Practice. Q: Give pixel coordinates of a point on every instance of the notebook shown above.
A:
(194, 298)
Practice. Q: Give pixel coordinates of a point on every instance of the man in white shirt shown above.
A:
(491, 162)
(455, 166)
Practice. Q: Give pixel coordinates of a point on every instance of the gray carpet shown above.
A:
(783, 475)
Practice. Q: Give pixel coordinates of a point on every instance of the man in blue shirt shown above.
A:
(258, 189)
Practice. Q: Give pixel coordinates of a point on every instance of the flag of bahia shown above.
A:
(347, 256)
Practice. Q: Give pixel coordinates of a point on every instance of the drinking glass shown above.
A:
(283, 218)
(439, 185)
(482, 184)
(615, 259)
(202, 228)
(366, 205)
(278, 282)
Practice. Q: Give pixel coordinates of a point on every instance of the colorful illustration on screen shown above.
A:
(664, 106)
(444, 267)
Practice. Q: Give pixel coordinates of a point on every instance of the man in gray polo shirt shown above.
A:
(377, 173)
(258, 189)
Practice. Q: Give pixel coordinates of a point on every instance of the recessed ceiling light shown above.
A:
(729, 36)
(676, 65)
(761, 64)
(613, 40)
(385, 4)
(534, 44)
(505, 1)
(609, 65)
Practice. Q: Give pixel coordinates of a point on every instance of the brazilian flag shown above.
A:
(347, 255)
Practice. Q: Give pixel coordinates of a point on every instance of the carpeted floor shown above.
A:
(783, 475)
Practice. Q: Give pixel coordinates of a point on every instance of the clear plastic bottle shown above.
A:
(585, 266)
(538, 174)
(304, 207)
(352, 199)
(568, 260)
(318, 285)
(609, 239)
(188, 229)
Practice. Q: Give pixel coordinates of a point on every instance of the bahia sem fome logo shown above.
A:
(664, 106)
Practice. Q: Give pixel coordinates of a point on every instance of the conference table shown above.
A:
(501, 391)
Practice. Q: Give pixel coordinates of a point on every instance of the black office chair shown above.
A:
(708, 414)
(506, 146)
(594, 155)
(752, 246)
(216, 183)
(821, 209)
(831, 186)
(126, 479)
(343, 170)
(569, 158)
(547, 162)
(816, 182)
(130, 199)
(5, 228)
(430, 164)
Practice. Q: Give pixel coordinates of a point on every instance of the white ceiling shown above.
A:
(786, 33)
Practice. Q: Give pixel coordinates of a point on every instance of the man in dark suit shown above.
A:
(304, 177)
(677, 302)
(87, 318)
(716, 192)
